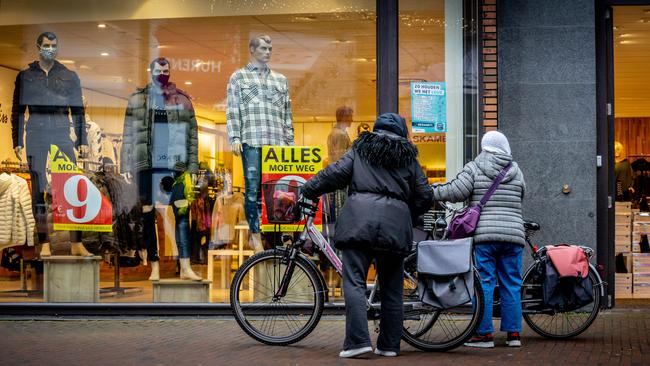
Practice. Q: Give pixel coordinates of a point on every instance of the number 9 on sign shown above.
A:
(92, 201)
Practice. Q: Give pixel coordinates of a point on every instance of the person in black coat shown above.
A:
(387, 190)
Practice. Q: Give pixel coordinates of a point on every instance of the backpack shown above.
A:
(567, 285)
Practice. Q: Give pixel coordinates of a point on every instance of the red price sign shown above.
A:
(77, 204)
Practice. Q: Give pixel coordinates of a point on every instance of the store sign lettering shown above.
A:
(292, 159)
(430, 139)
(195, 65)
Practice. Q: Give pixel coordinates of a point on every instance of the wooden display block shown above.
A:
(181, 291)
(642, 217)
(622, 248)
(71, 278)
(643, 227)
(640, 263)
(623, 206)
(622, 229)
(623, 218)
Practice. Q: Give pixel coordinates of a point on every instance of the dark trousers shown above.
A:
(148, 182)
(37, 149)
(252, 162)
(390, 268)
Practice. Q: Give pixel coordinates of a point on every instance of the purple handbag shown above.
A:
(464, 223)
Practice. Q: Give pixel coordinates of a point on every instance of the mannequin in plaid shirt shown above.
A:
(258, 114)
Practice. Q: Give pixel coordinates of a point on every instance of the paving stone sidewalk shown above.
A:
(618, 337)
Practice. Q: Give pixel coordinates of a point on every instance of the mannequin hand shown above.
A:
(237, 148)
(631, 189)
(195, 178)
(83, 150)
(19, 152)
(127, 176)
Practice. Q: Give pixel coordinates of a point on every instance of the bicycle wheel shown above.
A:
(430, 329)
(549, 323)
(280, 321)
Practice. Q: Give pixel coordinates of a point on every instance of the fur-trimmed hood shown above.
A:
(385, 149)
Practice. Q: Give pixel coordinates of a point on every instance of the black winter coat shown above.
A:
(386, 189)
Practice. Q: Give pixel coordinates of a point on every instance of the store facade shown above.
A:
(140, 96)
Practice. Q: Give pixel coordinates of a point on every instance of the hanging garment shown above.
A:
(17, 222)
(228, 211)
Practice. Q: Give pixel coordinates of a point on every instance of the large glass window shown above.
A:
(431, 84)
(146, 89)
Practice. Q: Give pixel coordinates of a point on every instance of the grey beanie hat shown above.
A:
(495, 142)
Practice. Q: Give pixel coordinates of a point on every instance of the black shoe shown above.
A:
(481, 341)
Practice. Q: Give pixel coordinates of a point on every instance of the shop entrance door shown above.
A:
(625, 145)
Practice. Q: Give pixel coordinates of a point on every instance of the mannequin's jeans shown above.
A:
(500, 262)
(183, 236)
(252, 162)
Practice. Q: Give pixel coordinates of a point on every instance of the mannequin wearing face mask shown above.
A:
(258, 114)
(51, 95)
(160, 131)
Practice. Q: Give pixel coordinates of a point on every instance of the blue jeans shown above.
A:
(252, 161)
(502, 262)
(183, 236)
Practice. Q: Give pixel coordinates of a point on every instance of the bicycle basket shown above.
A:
(281, 201)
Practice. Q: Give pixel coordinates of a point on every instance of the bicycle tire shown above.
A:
(540, 322)
(424, 337)
(248, 314)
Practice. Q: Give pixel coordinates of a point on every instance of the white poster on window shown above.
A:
(7, 79)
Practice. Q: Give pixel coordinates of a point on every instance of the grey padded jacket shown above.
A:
(501, 218)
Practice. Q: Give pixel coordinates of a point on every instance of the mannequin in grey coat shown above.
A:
(499, 237)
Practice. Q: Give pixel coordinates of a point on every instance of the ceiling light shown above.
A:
(360, 59)
(161, 46)
(68, 62)
(104, 53)
(101, 25)
(625, 35)
(625, 42)
(188, 83)
(148, 69)
(198, 63)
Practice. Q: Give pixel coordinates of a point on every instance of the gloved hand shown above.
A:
(19, 152)
(237, 148)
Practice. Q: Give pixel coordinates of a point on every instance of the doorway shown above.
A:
(630, 52)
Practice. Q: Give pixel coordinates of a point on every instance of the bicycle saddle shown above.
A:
(530, 225)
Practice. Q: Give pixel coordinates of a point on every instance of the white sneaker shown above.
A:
(355, 352)
(385, 353)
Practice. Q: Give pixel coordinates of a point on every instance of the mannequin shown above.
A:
(51, 94)
(160, 131)
(258, 114)
(338, 142)
(623, 173)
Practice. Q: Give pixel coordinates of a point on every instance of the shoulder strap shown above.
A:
(495, 184)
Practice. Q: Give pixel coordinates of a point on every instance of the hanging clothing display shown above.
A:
(228, 211)
(16, 218)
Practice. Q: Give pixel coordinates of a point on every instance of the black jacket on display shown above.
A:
(50, 99)
(387, 189)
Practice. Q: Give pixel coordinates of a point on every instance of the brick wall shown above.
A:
(489, 119)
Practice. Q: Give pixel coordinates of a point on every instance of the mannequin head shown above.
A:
(48, 46)
(344, 116)
(619, 153)
(260, 48)
(160, 71)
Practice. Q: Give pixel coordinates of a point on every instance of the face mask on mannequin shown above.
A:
(161, 79)
(48, 51)
(160, 74)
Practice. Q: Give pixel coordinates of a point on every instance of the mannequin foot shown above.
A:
(78, 249)
(45, 250)
(186, 271)
(256, 242)
(155, 271)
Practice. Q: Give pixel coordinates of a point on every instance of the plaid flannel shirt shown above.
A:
(259, 108)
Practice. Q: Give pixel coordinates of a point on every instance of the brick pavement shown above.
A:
(618, 337)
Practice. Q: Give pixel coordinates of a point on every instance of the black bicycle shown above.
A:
(278, 296)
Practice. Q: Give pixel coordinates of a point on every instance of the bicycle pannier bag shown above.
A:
(445, 272)
(567, 285)
(465, 222)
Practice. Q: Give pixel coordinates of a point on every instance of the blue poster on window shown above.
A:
(429, 107)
